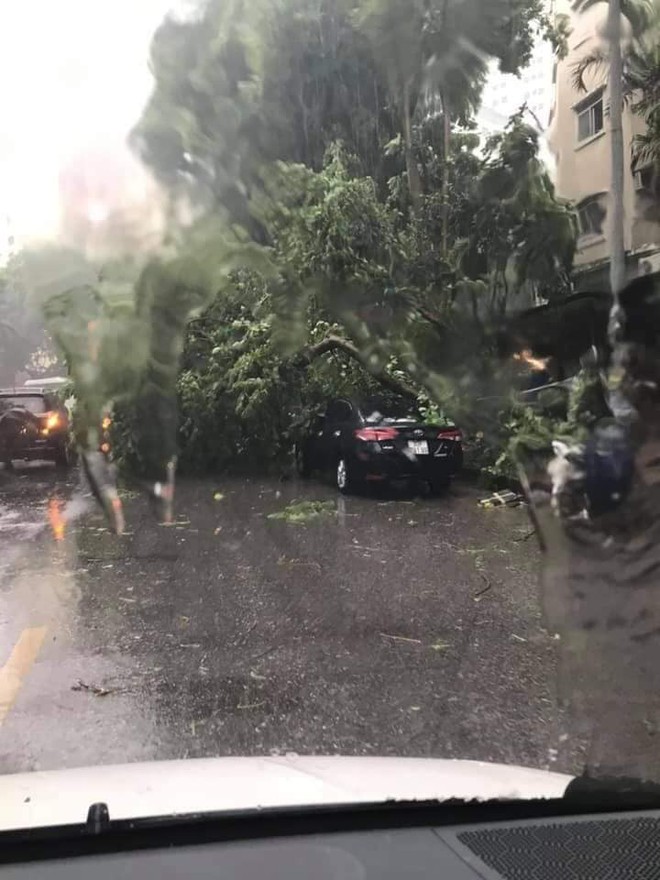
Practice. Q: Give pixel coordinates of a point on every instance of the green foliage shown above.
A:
(353, 268)
(25, 345)
(642, 82)
(431, 411)
(529, 430)
(242, 404)
(343, 237)
(303, 512)
(520, 227)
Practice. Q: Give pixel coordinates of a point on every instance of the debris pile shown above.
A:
(503, 499)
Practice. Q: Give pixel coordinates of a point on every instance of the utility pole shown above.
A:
(617, 246)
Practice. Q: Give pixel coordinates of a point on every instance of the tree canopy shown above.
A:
(327, 185)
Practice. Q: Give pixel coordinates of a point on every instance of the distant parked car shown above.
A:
(377, 440)
(33, 425)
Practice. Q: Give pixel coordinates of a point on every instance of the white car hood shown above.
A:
(61, 797)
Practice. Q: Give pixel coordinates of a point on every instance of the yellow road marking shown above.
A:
(18, 665)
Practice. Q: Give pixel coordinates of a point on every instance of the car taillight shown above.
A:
(52, 420)
(450, 434)
(377, 434)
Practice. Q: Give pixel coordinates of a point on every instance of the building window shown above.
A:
(590, 216)
(590, 117)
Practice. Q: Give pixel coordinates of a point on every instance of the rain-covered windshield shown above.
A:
(31, 403)
(437, 223)
(383, 409)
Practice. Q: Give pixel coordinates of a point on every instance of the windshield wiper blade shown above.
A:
(622, 792)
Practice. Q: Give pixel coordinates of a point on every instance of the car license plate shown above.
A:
(419, 447)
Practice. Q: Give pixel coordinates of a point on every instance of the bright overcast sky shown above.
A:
(73, 74)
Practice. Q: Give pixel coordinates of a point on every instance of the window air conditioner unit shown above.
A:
(643, 179)
(649, 265)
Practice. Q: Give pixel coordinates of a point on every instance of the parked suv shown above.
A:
(33, 425)
(376, 440)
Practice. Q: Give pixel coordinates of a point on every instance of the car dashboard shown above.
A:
(355, 843)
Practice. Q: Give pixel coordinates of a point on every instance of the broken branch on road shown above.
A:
(400, 638)
(92, 688)
(525, 537)
(264, 653)
(477, 596)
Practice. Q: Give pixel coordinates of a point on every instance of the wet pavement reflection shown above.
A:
(392, 625)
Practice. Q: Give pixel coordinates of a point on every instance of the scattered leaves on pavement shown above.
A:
(127, 494)
(286, 561)
(301, 512)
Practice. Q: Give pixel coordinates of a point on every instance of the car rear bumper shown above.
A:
(32, 449)
(395, 465)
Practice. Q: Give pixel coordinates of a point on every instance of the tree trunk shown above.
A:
(446, 131)
(336, 343)
(617, 245)
(414, 182)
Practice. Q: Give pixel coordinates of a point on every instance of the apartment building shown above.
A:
(505, 93)
(579, 137)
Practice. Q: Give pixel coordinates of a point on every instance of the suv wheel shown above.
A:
(63, 457)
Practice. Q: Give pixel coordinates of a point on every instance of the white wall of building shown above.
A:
(8, 245)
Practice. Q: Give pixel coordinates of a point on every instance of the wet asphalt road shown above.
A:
(396, 626)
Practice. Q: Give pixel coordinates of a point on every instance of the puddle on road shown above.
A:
(39, 543)
(12, 521)
(15, 531)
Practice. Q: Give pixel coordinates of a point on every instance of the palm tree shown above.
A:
(437, 52)
(641, 86)
(641, 78)
(617, 244)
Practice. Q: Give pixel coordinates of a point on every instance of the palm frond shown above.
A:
(593, 62)
(646, 150)
(642, 76)
(640, 13)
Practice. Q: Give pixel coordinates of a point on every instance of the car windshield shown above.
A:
(31, 403)
(438, 223)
